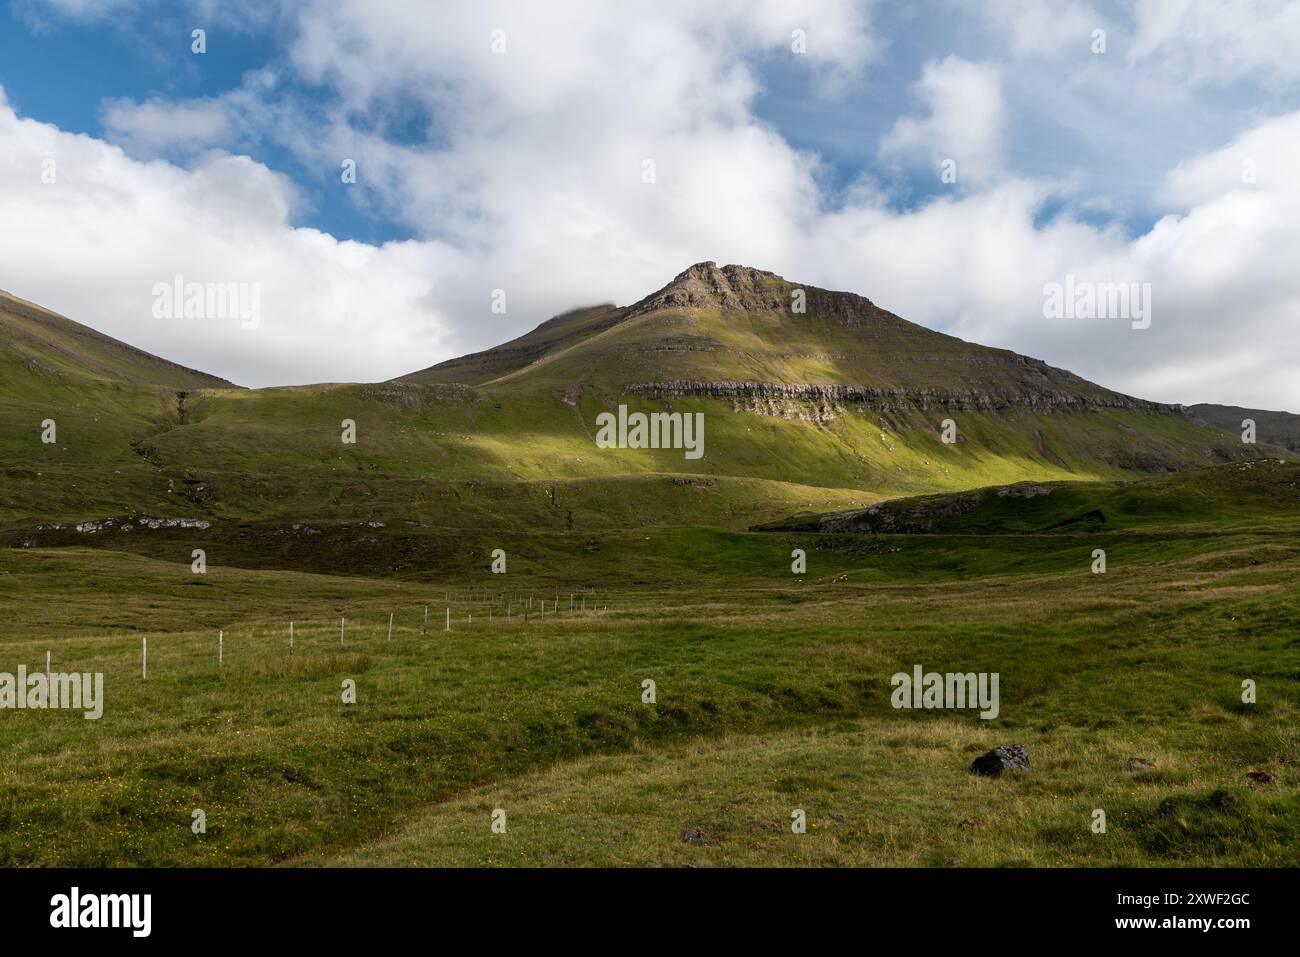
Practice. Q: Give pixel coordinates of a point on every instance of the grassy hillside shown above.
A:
(515, 443)
(103, 397)
(551, 337)
(773, 688)
(53, 346)
(1261, 494)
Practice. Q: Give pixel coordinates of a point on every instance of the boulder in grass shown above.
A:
(1007, 757)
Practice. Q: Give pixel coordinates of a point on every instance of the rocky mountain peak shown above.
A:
(705, 285)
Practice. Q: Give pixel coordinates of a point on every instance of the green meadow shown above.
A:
(772, 695)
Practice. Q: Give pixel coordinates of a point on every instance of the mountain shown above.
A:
(1278, 428)
(802, 381)
(734, 332)
(38, 345)
(834, 406)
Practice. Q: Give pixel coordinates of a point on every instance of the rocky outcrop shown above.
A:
(829, 401)
(415, 397)
(902, 516)
(123, 524)
(745, 289)
(705, 286)
(1008, 757)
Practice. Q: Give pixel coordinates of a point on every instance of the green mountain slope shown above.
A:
(45, 344)
(834, 407)
(548, 339)
(103, 397)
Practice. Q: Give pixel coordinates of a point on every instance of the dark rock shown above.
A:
(827, 401)
(1007, 757)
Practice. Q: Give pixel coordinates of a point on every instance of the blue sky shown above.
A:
(62, 69)
(519, 169)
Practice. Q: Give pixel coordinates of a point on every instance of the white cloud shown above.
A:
(539, 190)
(157, 127)
(965, 121)
(37, 11)
(1226, 294)
(1264, 157)
(92, 245)
(1218, 42)
(1045, 27)
(538, 172)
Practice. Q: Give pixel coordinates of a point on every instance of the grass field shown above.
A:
(773, 694)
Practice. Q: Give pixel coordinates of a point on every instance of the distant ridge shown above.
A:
(44, 342)
(1279, 428)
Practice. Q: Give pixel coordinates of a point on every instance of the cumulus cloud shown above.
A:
(93, 243)
(1213, 42)
(1225, 293)
(965, 120)
(593, 157)
(156, 127)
